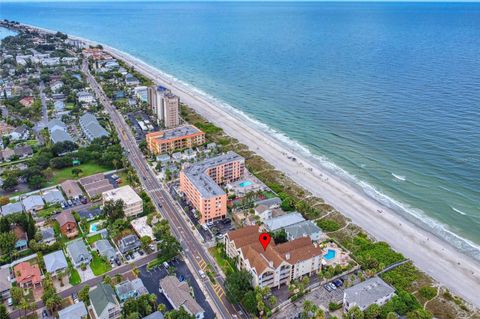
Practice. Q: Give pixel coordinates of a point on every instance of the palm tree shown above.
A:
(25, 306)
(161, 307)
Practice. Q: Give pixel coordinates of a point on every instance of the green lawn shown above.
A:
(74, 277)
(123, 177)
(69, 106)
(98, 265)
(61, 175)
(216, 252)
(94, 238)
(46, 212)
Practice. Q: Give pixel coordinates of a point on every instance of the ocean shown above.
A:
(384, 94)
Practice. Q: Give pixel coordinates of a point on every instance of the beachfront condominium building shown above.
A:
(155, 98)
(164, 105)
(171, 104)
(200, 184)
(168, 141)
(133, 204)
(277, 264)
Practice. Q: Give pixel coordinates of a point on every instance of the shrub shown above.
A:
(328, 225)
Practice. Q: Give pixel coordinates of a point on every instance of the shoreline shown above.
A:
(429, 253)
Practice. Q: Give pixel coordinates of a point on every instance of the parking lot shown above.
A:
(211, 230)
(319, 296)
(151, 280)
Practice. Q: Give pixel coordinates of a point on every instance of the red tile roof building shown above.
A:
(27, 275)
(277, 264)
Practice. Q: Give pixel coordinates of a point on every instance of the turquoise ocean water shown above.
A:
(385, 94)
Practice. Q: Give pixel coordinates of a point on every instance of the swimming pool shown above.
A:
(245, 184)
(330, 254)
(94, 227)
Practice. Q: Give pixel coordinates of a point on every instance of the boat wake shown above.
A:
(399, 177)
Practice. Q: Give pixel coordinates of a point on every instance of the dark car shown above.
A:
(338, 282)
(45, 314)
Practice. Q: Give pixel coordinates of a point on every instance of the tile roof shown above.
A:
(25, 272)
(65, 217)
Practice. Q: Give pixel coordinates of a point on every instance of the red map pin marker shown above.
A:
(264, 239)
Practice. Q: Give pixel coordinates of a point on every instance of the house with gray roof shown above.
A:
(53, 196)
(105, 249)
(130, 289)
(56, 124)
(23, 151)
(91, 128)
(129, 243)
(178, 295)
(12, 208)
(306, 228)
(274, 202)
(58, 136)
(33, 203)
(103, 301)
(48, 235)
(78, 252)
(20, 133)
(75, 311)
(155, 315)
(55, 262)
(277, 223)
(369, 292)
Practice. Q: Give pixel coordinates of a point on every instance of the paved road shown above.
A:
(194, 252)
(92, 282)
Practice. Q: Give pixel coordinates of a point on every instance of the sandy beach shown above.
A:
(448, 266)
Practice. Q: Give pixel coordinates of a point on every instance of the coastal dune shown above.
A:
(455, 270)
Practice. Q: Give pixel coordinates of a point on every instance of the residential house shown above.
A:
(85, 97)
(58, 131)
(59, 106)
(7, 154)
(55, 262)
(103, 301)
(142, 228)
(178, 295)
(20, 133)
(371, 291)
(33, 203)
(129, 243)
(5, 284)
(53, 196)
(104, 248)
(271, 203)
(130, 79)
(306, 228)
(56, 86)
(21, 236)
(91, 127)
(75, 311)
(48, 235)
(68, 224)
(27, 101)
(78, 252)
(23, 151)
(277, 223)
(130, 289)
(27, 275)
(71, 189)
(155, 315)
(12, 208)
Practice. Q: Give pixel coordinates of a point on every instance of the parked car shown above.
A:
(327, 287)
(333, 286)
(83, 200)
(10, 302)
(75, 298)
(338, 282)
(202, 273)
(44, 313)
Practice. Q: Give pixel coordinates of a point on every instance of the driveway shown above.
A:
(86, 274)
